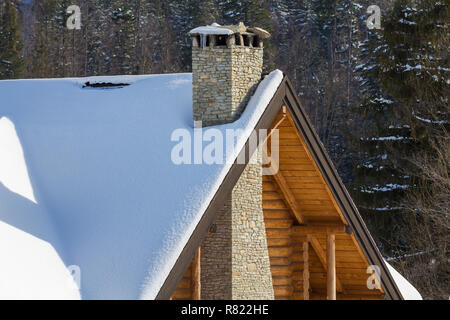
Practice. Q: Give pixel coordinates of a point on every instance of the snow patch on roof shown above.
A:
(407, 289)
(13, 169)
(31, 269)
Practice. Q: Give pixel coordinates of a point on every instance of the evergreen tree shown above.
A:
(253, 13)
(42, 51)
(11, 43)
(406, 105)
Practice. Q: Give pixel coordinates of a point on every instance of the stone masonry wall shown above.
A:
(216, 258)
(234, 256)
(223, 80)
(251, 274)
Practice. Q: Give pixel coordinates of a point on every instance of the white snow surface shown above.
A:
(407, 289)
(13, 170)
(212, 29)
(86, 179)
(30, 268)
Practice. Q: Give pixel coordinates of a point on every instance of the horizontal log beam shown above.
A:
(319, 229)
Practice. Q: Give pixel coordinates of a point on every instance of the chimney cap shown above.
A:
(217, 29)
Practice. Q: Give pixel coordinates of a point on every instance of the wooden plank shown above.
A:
(311, 189)
(297, 265)
(297, 154)
(278, 242)
(305, 195)
(316, 207)
(348, 259)
(315, 203)
(296, 167)
(341, 272)
(281, 270)
(274, 204)
(298, 257)
(348, 278)
(297, 275)
(269, 186)
(352, 272)
(360, 297)
(277, 214)
(280, 251)
(304, 180)
(324, 219)
(287, 141)
(283, 297)
(298, 295)
(285, 133)
(286, 148)
(318, 229)
(280, 261)
(196, 276)
(285, 290)
(339, 265)
(279, 223)
(331, 267)
(281, 280)
(273, 195)
(321, 213)
(300, 161)
(278, 233)
(298, 173)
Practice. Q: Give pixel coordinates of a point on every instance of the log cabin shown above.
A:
(96, 186)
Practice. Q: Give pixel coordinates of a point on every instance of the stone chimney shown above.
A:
(226, 67)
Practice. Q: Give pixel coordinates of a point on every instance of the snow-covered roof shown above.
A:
(86, 179)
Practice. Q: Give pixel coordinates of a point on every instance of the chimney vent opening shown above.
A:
(221, 40)
(238, 40)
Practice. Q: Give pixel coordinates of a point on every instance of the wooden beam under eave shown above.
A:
(315, 244)
(331, 267)
(288, 196)
(312, 229)
(196, 276)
